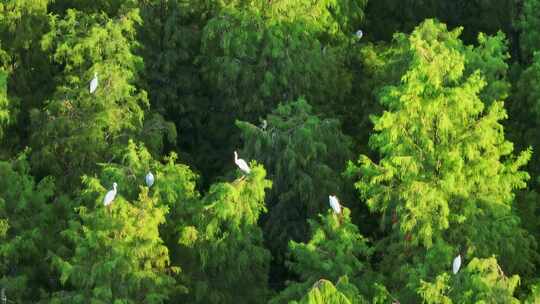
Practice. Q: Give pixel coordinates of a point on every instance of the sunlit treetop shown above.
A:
(445, 166)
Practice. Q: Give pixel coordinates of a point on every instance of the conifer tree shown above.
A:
(252, 61)
(304, 154)
(534, 296)
(22, 24)
(441, 178)
(482, 281)
(4, 103)
(336, 249)
(171, 34)
(385, 64)
(324, 292)
(77, 128)
(529, 26)
(223, 256)
(490, 57)
(118, 253)
(524, 112)
(254, 55)
(446, 177)
(31, 219)
(174, 187)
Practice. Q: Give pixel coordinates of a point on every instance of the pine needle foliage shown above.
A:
(529, 25)
(119, 256)
(447, 176)
(323, 291)
(29, 225)
(223, 252)
(304, 155)
(336, 249)
(481, 281)
(78, 129)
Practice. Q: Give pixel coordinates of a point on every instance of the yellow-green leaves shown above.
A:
(446, 173)
(119, 254)
(335, 249)
(480, 281)
(324, 292)
(221, 244)
(4, 102)
(77, 126)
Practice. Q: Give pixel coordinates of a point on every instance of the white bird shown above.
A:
(359, 34)
(457, 264)
(241, 164)
(109, 197)
(264, 124)
(334, 203)
(94, 83)
(149, 179)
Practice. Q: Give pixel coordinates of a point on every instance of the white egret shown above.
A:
(241, 164)
(93, 83)
(334, 203)
(359, 34)
(457, 264)
(109, 197)
(264, 124)
(149, 179)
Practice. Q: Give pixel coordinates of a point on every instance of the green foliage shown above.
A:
(304, 155)
(255, 54)
(223, 254)
(482, 281)
(186, 82)
(18, 19)
(490, 58)
(447, 175)
(4, 103)
(79, 129)
(529, 26)
(534, 297)
(525, 107)
(253, 62)
(174, 184)
(528, 92)
(386, 64)
(22, 23)
(323, 292)
(335, 249)
(171, 34)
(118, 253)
(331, 19)
(29, 225)
(435, 292)
(421, 138)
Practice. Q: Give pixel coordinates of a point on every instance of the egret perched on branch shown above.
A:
(149, 179)
(457, 264)
(93, 83)
(334, 203)
(109, 197)
(241, 164)
(359, 34)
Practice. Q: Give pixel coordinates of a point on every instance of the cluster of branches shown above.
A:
(426, 128)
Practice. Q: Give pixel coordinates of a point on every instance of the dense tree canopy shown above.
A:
(421, 117)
